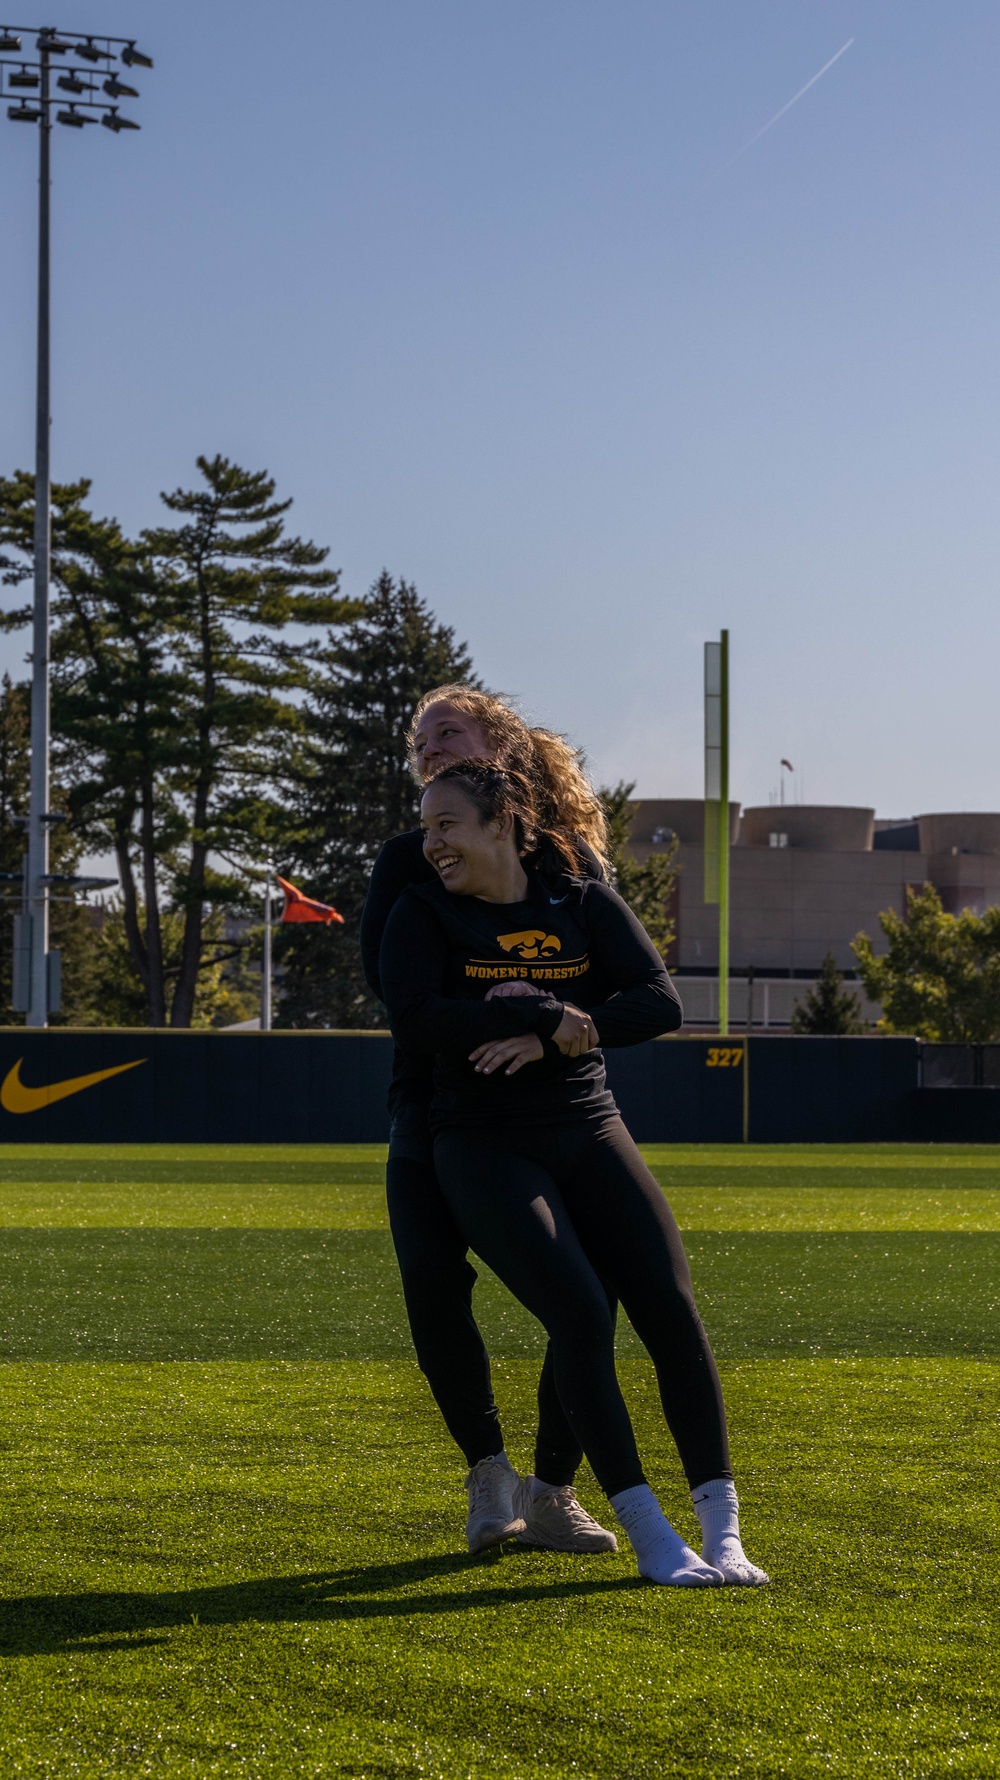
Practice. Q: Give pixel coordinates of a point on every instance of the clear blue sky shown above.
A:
(468, 280)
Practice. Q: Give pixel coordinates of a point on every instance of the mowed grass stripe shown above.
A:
(226, 1160)
(353, 1205)
(172, 1204)
(830, 1206)
(909, 1158)
(317, 1295)
(341, 1188)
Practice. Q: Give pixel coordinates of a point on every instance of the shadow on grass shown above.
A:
(40, 1625)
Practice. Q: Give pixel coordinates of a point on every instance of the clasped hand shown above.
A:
(575, 1035)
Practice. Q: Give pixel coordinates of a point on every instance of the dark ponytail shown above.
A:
(498, 791)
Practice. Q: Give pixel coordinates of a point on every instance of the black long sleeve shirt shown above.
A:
(399, 865)
(576, 941)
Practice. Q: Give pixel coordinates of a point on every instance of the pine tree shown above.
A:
(115, 704)
(356, 789)
(829, 1008)
(232, 571)
(649, 889)
(118, 726)
(176, 696)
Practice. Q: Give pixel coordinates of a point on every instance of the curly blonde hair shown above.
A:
(566, 802)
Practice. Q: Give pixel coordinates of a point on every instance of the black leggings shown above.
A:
(535, 1204)
(437, 1288)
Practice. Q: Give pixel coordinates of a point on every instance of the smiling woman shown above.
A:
(465, 723)
(461, 818)
(444, 731)
(457, 846)
(532, 1157)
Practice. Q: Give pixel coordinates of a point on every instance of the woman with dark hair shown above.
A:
(530, 1153)
(451, 723)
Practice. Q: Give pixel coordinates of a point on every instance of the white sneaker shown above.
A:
(493, 1514)
(556, 1521)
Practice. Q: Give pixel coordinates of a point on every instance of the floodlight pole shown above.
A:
(38, 805)
(36, 968)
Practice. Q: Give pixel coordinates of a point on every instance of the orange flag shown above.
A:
(303, 908)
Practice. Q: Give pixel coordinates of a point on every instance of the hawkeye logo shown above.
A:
(16, 1098)
(527, 951)
(531, 944)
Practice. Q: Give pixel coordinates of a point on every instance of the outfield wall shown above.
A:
(770, 1090)
(128, 1086)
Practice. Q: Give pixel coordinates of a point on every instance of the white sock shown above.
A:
(539, 1487)
(718, 1510)
(661, 1553)
(500, 1458)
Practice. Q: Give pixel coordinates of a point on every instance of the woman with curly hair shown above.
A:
(457, 722)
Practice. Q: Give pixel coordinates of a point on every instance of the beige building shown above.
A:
(805, 879)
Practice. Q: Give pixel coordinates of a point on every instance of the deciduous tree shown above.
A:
(939, 978)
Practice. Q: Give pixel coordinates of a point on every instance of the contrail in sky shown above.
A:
(793, 101)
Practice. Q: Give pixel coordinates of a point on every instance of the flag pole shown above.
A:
(265, 985)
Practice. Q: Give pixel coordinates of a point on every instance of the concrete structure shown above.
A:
(817, 828)
(805, 880)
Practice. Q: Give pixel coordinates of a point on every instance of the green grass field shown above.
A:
(232, 1523)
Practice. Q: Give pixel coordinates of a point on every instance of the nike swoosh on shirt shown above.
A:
(16, 1098)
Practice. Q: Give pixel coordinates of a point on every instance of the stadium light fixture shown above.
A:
(118, 90)
(38, 996)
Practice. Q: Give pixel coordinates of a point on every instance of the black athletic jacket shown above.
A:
(574, 940)
(400, 864)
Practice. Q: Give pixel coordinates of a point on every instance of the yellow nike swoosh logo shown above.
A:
(16, 1098)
